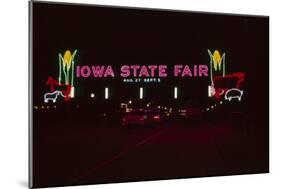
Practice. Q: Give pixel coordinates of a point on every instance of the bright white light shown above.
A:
(212, 107)
(220, 102)
(147, 105)
(175, 92)
(141, 93)
(130, 102)
(72, 92)
(209, 91)
(92, 95)
(106, 93)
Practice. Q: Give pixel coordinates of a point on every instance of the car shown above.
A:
(155, 116)
(136, 117)
(189, 113)
(182, 113)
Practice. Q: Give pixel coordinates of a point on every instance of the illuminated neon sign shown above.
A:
(139, 71)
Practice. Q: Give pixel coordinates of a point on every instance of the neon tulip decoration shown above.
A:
(66, 69)
(217, 63)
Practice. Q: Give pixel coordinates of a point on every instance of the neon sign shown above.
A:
(139, 71)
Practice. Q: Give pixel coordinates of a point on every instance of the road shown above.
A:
(101, 153)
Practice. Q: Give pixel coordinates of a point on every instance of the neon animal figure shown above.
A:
(52, 96)
(233, 93)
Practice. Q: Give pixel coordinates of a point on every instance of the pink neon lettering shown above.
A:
(195, 70)
(177, 70)
(143, 72)
(186, 71)
(162, 71)
(98, 71)
(85, 71)
(77, 71)
(203, 70)
(109, 71)
(125, 72)
(135, 68)
(152, 69)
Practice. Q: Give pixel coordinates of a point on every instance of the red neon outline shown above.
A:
(53, 83)
(238, 75)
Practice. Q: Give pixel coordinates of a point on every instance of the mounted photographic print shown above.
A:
(121, 94)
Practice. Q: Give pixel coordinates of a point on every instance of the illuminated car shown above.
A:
(135, 117)
(155, 116)
(233, 93)
(182, 113)
(190, 112)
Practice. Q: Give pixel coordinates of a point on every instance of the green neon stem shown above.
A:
(59, 69)
(223, 64)
(211, 67)
(72, 61)
(67, 77)
(63, 67)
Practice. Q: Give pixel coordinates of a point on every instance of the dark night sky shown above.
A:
(117, 36)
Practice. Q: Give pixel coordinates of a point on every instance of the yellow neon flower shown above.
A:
(67, 59)
(217, 60)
